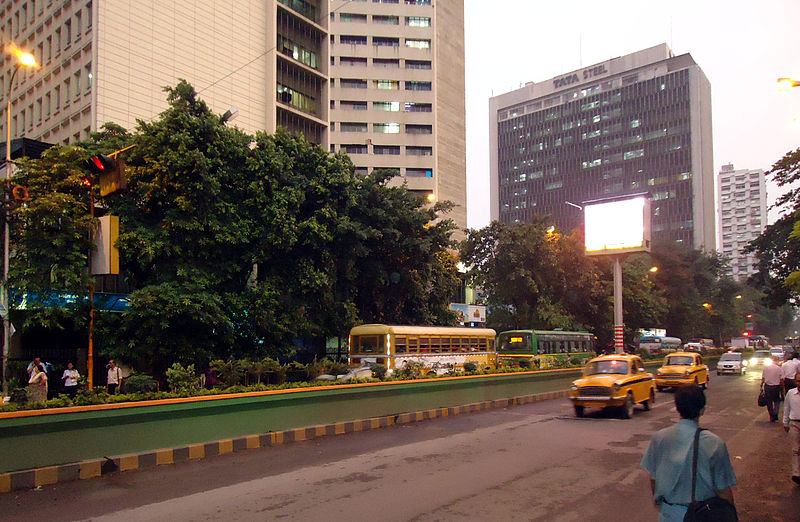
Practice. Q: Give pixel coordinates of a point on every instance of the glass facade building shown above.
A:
(639, 123)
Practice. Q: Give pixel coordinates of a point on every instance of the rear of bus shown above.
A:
(368, 344)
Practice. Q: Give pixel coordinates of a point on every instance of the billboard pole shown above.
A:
(619, 329)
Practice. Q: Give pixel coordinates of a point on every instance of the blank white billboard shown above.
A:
(613, 227)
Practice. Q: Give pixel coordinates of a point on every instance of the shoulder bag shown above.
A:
(762, 397)
(714, 509)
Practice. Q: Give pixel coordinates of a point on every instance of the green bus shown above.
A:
(544, 348)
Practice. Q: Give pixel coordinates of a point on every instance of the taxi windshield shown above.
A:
(608, 366)
(679, 360)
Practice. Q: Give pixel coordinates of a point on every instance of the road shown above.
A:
(531, 462)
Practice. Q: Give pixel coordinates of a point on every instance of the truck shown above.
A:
(739, 343)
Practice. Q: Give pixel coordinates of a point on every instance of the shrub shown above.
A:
(295, 371)
(19, 395)
(470, 367)
(229, 372)
(182, 379)
(140, 383)
(314, 369)
(411, 370)
(339, 368)
(378, 370)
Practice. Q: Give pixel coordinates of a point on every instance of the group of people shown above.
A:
(783, 381)
(38, 382)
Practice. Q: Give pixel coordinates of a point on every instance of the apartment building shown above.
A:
(636, 123)
(397, 92)
(380, 80)
(742, 216)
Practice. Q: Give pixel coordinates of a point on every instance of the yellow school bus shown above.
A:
(438, 348)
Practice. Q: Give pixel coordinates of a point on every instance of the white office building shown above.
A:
(742, 216)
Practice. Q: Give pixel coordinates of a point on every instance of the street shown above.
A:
(531, 462)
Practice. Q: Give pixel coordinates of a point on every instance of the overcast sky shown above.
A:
(743, 46)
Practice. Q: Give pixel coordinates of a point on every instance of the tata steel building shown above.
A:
(632, 124)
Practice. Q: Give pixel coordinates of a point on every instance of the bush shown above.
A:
(314, 369)
(19, 395)
(378, 370)
(182, 380)
(470, 367)
(139, 383)
(411, 370)
(230, 372)
(338, 368)
(295, 371)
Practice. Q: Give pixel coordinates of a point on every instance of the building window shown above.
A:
(386, 19)
(386, 106)
(418, 21)
(418, 86)
(353, 18)
(418, 64)
(419, 151)
(385, 41)
(353, 83)
(67, 33)
(88, 71)
(387, 84)
(353, 39)
(418, 2)
(391, 150)
(419, 173)
(418, 107)
(419, 129)
(415, 43)
(353, 105)
(350, 126)
(355, 148)
(386, 128)
(352, 61)
(391, 63)
(78, 28)
(88, 15)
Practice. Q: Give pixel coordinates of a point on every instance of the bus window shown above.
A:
(413, 345)
(424, 344)
(444, 344)
(463, 344)
(491, 344)
(436, 344)
(400, 345)
(572, 347)
(473, 344)
(369, 343)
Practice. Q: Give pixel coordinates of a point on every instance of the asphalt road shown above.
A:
(532, 462)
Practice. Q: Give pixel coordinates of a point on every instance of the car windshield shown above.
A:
(608, 366)
(761, 354)
(731, 357)
(679, 360)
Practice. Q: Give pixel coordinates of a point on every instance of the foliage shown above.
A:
(182, 379)
(140, 383)
(335, 368)
(19, 395)
(411, 370)
(230, 372)
(470, 367)
(379, 370)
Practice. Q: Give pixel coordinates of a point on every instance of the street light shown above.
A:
(784, 84)
(24, 59)
(654, 269)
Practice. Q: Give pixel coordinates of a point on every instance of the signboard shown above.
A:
(469, 313)
(619, 225)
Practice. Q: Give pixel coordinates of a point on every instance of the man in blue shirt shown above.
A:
(669, 460)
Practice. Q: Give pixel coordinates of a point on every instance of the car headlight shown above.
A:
(659, 371)
(767, 362)
(574, 387)
(616, 386)
(687, 372)
(753, 360)
(744, 363)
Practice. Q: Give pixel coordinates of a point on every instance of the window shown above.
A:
(77, 84)
(88, 15)
(351, 61)
(78, 27)
(353, 105)
(419, 173)
(418, 86)
(353, 17)
(418, 2)
(88, 75)
(57, 94)
(391, 150)
(386, 128)
(385, 19)
(387, 84)
(418, 107)
(67, 33)
(419, 129)
(419, 151)
(48, 48)
(348, 126)
(417, 43)
(355, 148)
(57, 37)
(391, 63)
(353, 39)
(385, 1)
(385, 41)
(352, 83)
(418, 21)
(418, 64)
(47, 105)
(386, 106)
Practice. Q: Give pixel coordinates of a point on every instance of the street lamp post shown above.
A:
(23, 60)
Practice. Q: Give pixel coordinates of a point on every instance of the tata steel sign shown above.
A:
(586, 74)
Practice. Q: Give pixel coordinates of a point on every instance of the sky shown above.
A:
(742, 46)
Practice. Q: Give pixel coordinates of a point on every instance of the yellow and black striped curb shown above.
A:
(32, 478)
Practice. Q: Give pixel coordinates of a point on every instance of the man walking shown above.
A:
(789, 372)
(771, 381)
(669, 460)
(791, 424)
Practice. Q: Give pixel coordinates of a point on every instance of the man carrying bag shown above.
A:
(675, 479)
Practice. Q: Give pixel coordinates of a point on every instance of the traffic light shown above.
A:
(110, 170)
(746, 334)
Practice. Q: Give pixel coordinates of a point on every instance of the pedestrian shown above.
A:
(70, 380)
(210, 375)
(669, 460)
(37, 385)
(32, 366)
(791, 425)
(771, 382)
(113, 377)
(789, 371)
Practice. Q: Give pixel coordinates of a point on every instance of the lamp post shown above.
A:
(24, 59)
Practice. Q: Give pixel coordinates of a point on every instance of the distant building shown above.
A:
(742, 216)
(637, 123)
(382, 81)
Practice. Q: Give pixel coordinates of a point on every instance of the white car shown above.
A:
(778, 352)
(731, 362)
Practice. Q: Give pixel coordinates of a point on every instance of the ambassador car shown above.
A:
(613, 381)
(682, 369)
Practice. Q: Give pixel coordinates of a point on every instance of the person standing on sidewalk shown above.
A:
(791, 425)
(113, 377)
(789, 370)
(771, 382)
(669, 460)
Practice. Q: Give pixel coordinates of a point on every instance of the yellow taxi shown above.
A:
(682, 369)
(613, 380)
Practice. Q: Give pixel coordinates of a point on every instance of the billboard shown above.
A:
(616, 226)
(469, 313)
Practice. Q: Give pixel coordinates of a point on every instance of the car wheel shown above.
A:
(649, 402)
(627, 409)
(579, 411)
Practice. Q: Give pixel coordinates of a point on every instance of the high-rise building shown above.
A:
(109, 60)
(742, 216)
(633, 124)
(397, 92)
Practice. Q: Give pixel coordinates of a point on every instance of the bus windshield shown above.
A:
(515, 343)
(613, 366)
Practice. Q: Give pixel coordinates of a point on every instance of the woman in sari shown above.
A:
(37, 385)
